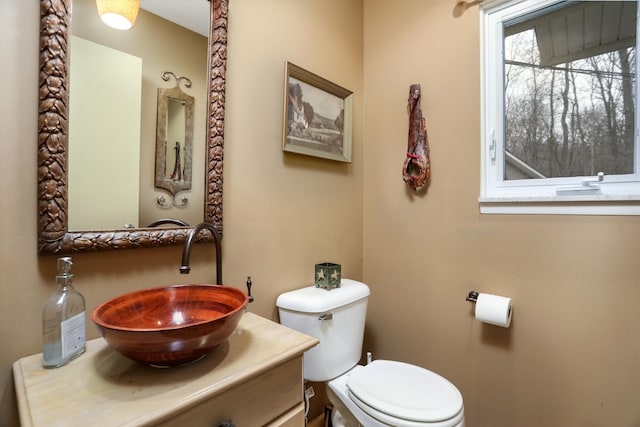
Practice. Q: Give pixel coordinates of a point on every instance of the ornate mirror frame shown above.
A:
(54, 236)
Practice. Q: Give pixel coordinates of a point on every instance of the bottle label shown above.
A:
(73, 335)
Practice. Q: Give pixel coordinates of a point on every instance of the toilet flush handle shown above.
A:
(326, 316)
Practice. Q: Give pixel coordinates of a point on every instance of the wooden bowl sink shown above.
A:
(170, 325)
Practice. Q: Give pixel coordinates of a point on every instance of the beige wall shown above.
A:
(282, 212)
(571, 356)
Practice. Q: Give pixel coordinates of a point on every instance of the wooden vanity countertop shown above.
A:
(102, 387)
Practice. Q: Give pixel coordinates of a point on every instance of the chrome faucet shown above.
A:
(184, 268)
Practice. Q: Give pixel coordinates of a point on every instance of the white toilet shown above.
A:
(381, 394)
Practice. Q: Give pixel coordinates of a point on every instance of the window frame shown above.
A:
(617, 195)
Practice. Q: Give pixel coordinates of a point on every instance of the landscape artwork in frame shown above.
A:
(317, 116)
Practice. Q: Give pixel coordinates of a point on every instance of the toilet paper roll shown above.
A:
(494, 309)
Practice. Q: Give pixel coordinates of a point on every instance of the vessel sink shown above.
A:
(170, 325)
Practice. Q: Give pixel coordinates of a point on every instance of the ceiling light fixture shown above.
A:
(119, 14)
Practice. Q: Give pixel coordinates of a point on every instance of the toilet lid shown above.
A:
(405, 391)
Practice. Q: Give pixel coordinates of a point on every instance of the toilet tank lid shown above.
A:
(319, 300)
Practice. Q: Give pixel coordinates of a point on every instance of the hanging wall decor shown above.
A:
(317, 116)
(174, 141)
(417, 167)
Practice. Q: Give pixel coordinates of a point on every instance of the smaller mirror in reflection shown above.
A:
(174, 141)
(174, 155)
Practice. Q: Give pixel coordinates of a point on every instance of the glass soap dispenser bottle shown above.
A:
(63, 320)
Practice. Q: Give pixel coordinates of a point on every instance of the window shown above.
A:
(560, 118)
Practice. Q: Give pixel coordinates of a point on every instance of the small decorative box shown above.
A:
(328, 275)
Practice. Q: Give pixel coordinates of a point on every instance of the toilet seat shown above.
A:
(405, 395)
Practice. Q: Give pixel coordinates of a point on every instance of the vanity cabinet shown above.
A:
(253, 379)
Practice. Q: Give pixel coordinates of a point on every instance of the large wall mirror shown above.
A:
(59, 159)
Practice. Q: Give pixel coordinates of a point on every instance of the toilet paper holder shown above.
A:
(473, 297)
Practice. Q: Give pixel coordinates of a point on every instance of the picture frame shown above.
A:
(318, 116)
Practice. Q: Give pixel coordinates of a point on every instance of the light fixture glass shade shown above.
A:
(120, 14)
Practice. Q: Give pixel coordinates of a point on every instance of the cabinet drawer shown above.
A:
(256, 402)
(293, 418)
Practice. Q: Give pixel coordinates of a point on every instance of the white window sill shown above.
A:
(566, 205)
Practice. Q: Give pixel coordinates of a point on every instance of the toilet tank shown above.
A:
(336, 318)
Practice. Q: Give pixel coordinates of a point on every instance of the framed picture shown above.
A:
(317, 116)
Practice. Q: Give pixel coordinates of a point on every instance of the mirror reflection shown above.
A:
(173, 154)
(174, 142)
(113, 180)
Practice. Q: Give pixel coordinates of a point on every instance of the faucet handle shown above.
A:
(249, 283)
